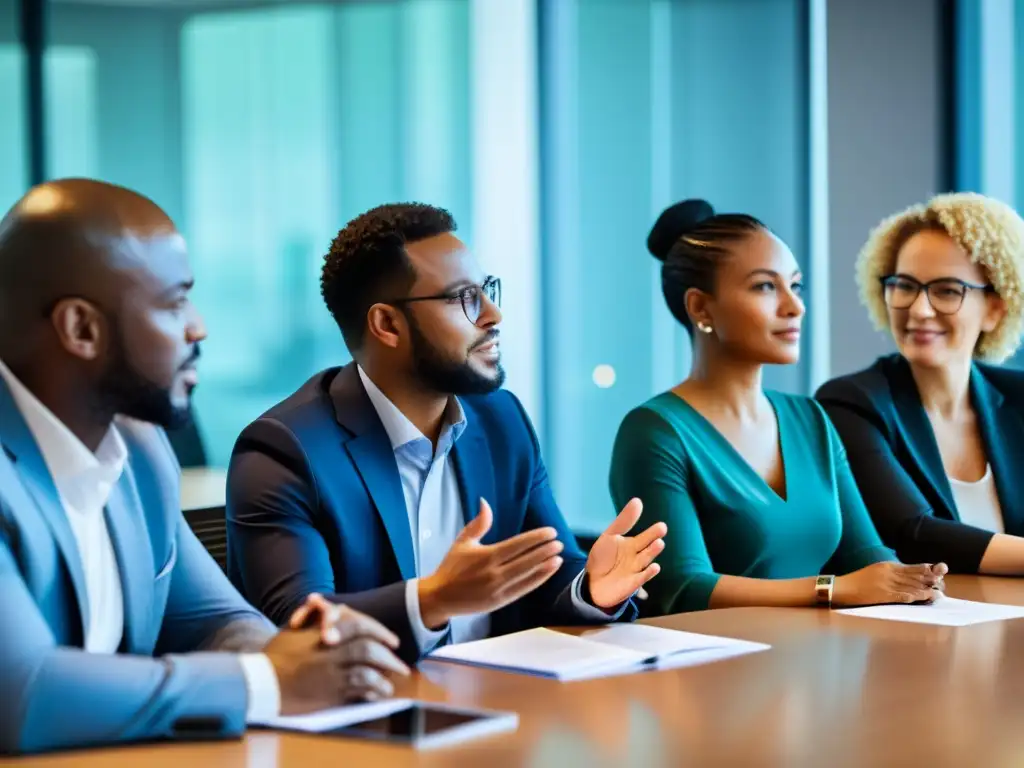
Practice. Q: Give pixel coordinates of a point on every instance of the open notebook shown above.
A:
(614, 650)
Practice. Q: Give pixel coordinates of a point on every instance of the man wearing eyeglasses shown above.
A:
(407, 484)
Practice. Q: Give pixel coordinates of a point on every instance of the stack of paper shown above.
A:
(618, 649)
(945, 611)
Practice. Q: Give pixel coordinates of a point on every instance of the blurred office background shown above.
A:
(554, 130)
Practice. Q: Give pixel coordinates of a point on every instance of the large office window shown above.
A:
(13, 138)
(295, 120)
(647, 102)
(989, 144)
(262, 131)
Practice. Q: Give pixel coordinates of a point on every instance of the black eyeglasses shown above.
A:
(946, 294)
(472, 297)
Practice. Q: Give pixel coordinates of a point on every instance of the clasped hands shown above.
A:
(331, 655)
(890, 582)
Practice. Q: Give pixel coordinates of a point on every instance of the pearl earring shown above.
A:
(704, 327)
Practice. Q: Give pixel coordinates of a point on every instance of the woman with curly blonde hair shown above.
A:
(935, 433)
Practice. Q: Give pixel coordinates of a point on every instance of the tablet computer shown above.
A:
(419, 724)
(423, 725)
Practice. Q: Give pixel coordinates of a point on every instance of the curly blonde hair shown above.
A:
(989, 231)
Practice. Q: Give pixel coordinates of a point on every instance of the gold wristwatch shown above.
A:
(823, 590)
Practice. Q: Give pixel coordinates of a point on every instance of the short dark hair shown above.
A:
(367, 262)
(691, 241)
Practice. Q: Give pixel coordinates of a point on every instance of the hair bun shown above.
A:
(674, 222)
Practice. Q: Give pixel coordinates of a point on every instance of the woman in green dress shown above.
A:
(761, 507)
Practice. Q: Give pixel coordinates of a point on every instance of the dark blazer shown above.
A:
(896, 461)
(176, 602)
(315, 504)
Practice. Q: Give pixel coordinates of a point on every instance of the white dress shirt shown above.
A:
(434, 506)
(977, 503)
(84, 481)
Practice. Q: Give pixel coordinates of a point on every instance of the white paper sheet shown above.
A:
(946, 612)
(338, 717)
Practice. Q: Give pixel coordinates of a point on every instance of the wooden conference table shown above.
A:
(833, 691)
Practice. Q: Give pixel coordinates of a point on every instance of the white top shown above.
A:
(978, 503)
(84, 481)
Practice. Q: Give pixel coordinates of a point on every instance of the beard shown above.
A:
(451, 377)
(124, 390)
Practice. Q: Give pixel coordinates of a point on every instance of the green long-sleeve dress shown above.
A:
(723, 518)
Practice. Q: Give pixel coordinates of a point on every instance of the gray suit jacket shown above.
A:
(171, 678)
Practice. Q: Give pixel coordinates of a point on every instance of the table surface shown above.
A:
(203, 488)
(834, 690)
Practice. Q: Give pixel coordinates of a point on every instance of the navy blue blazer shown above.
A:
(315, 504)
(896, 461)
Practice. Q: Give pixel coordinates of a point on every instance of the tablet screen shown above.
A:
(411, 724)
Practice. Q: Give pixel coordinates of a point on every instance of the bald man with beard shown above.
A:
(115, 624)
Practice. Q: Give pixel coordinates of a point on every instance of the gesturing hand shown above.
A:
(619, 564)
(480, 578)
(352, 665)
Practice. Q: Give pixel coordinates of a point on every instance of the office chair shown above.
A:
(210, 527)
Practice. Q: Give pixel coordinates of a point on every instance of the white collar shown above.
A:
(70, 462)
(400, 430)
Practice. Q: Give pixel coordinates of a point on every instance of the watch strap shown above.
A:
(823, 589)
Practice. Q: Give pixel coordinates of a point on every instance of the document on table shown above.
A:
(945, 611)
(617, 649)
